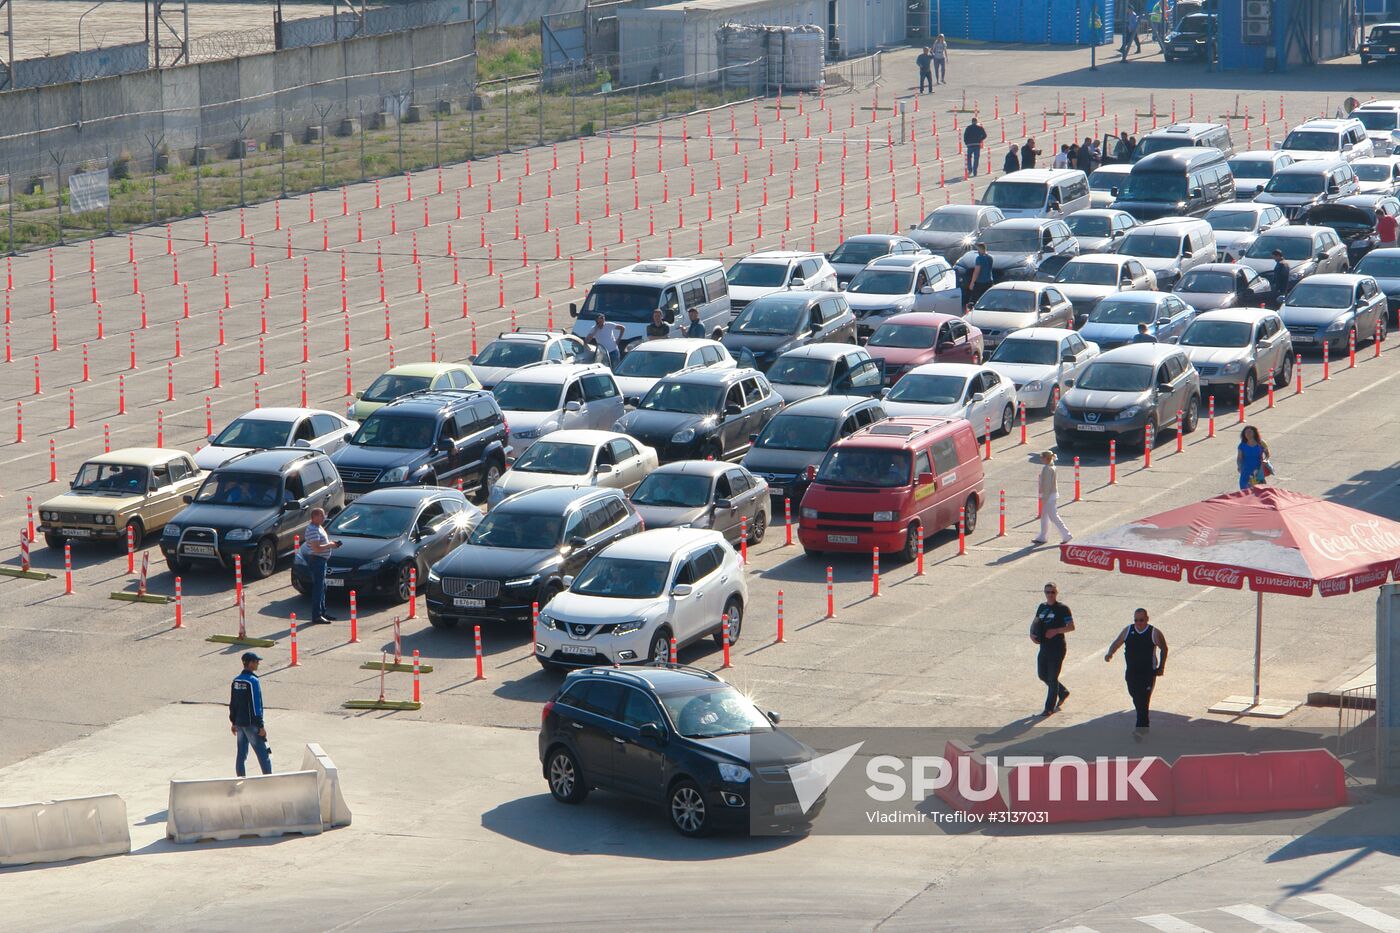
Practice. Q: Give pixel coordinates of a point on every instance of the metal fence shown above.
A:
(51, 195)
(1356, 722)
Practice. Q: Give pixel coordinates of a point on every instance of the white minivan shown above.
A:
(629, 295)
(1038, 192)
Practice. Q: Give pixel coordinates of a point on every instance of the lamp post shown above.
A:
(1095, 24)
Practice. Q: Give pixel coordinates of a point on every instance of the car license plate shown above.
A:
(78, 532)
(842, 539)
(787, 809)
(465, 603)
(1090, 427)
(335, 581)
(1302, 339)
(575, 649)
(198, 549)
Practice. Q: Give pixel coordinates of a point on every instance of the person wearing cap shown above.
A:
(1049, 501)
(245, 716)
(1278, 278)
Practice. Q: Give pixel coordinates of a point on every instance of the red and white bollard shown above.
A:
(23, 551)
(830, 595)
(1351, 349)
(1298, 365)
(1326, 366)
(354, 619)
(672, 654)
(1149, 440)
(130, 550)
(1023, 424)
(875, 571)
(1239, 389)
(29, 516)
(1001, 514)
(1076, 479)
(1113, 462)
(1271, 387)
(179, 604)
(787, 521)
(780, 615)
(987, 437)
(417, 690)
(413, 592)
(1210, 416)
(145, 573)
(295, 662)
(480, 663)
(919, 551)
(962, 529)
(743, 539)
(68, 570)
(724, 629)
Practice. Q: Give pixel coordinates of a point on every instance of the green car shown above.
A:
(413, 377)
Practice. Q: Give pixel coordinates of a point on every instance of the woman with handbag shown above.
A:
(1252, 458)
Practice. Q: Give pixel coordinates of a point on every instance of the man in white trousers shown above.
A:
(1049, 501)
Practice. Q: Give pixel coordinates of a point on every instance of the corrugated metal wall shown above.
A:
(1061, 22)
(676, 39)
(866, 25)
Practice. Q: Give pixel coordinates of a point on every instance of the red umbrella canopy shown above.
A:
(1277, 540)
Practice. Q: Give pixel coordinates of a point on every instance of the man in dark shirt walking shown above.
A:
(1278, 278)
(1145, 658)
(973, 138)
(245, 716)
(1028, 153)
(979, 277)
(925, 63)
(1052, 622)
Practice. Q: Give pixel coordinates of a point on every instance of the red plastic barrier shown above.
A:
(1310, 779)
(1093, 790)
(969, 776)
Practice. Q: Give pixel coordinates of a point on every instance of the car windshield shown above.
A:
(1015, 195)
(1292, 247)
(801, 371)
(548, 456)
(950, 222)
(1118, 311)
(1251, 168)
(650, 364)
(254, 432)
(1217, 334)
(1104, 181)
(1153, 186)
(1314, 295)
(1081, 225)
(903, 336)
(1373, 171)
(372, 520)
(526, 396)
(111, 478)
(1383, 34)
(683, 398)
(224, 487)
(1379, 120)
(860, 252)
(1196, 23)
(773, 315)
(1038, 352)
(797, 432)
(865, 466)
(1224, 219)
(389, 387)
(928, 389)
(510, 354)
(621, 304)
(1296, 183)
(1010, 241)
(673, 490)
(1006, 299)
(1088, 273)
(1313, 141)
(503, 527)
(882, 282)
(622, 578)
(758, 274)
(1151, 245)
(1116, 377)
(714, 711)
(1382, 267)
(391, 429)
(1218, 283)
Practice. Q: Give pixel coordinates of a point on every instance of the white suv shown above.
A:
(1328, 139)
(760, 274)
(627, 603)
(545, 397)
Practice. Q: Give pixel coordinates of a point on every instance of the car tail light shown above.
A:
(544, 712)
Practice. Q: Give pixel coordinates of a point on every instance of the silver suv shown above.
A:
(1125, 391)
(1239, 346)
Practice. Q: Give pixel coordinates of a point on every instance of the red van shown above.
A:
(878, 486)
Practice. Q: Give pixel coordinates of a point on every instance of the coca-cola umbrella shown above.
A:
(1276, 540)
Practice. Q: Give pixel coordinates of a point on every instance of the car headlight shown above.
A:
(733, 774)
(396, 475)
(629, 626)
(47, 516)
(434, 576)
(112, 519)
(238, 534)
(1132, 411)
(884, 516)
(171, 531)
(1338, 324)
(547, 621)
(522, 581)
(373, 566)
(1234, 367)
(683, 436)
(1035, 385)
(808, 513)
(1062, 409)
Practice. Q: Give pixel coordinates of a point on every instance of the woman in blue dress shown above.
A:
(1252, 458)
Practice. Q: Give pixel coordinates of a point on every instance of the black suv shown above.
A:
(522, 550)
(428, 438)
(703, 413)
(677, 736)
(253, 506)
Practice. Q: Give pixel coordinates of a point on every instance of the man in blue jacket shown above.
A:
(245, 716)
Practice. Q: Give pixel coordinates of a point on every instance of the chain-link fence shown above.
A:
(56, 189)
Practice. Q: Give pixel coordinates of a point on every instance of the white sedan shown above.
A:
(649, 362)
(579, 457)
(955, 390)
(262, 428)
(1037, 359)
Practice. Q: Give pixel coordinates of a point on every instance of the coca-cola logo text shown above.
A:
(1217, 576)
(1363, 537)
(1090, 556)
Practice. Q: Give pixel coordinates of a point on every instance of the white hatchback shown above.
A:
(637, 594)
(263, 428)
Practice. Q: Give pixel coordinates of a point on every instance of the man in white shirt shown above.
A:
(316, 548)
(1049, 502)
(605, 337)
(1061, 159)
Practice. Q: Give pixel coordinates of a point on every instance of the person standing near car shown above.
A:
(979, 277)
(658, 329)
(1051, 623)
(973, 138)
(1011, 163)
(1387, 227)
(1145, 659)
(1278, 278)
(1252, 458)
(696, 328)
(1028, 153)
(605, 337)
(316, 549)
(245, 717)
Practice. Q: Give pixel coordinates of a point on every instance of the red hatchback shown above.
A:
(903, 341)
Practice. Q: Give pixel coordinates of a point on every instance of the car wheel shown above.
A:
(299, 585)
(1008, 420)
(54, 540)
(1251, 387)
(1191, 416)
(264, 562)
(910, 551)
(1065, 441)
(442, 622)
(136, 530)
(1142, 440)
(759, 527)
(1285, 375)
(970, 515)
(176, 565)
(660, 652)
(565, 777)
(735, 610)
(405, 590)
(689, 815)
(489, 478)
(813, 553)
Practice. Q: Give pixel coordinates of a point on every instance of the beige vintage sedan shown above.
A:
(140, 488)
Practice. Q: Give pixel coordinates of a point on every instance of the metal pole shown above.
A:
(107, 158)
(1258, 640)
(198, 176)
(1093, 36)
(58, 191)
(362, 138)
(507, 95)
(282, 130)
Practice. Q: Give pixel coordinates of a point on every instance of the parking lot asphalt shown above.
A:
(946, 648)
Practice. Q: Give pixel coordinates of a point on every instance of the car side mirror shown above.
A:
(773, 717)
(1186, 254)
(1173, 339)
(1333, 189)
(1258, 189)
(573, 309)
(348, 436)
(1069, 383)
(730, 410)
(651, 732)
(979, 397)
(187, 499)
(797, 281)
(753, 438)
(1067, 357)
(1113, 191)
(815, 327)
(359, 394)
(1196, 192)
(925, 289)
(577, 542)
(1164, 387)
(632, 401)
(291, 506)
(842, 285)
(567, 580)
(884, 392)
(1163, 320)
(1321, 255)
(925, 479)
(604, 468)
(572, 406)
(945, 346)
(681, 590)
(670, 315)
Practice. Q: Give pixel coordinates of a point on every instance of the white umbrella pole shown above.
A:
(1258, 640)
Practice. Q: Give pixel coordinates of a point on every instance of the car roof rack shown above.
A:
(453, 392)
(688, 668)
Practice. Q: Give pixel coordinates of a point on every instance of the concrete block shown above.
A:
(279, 140)
(350, 126)
(165, 161)
(57, 830)
(334, 811)
(232, 808)
(201, 155)
(243, 148)
(40, 184)
(416, 113)
(313, 134)
(444, 107)
(381, 120)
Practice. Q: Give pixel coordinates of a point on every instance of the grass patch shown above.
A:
(516, 52)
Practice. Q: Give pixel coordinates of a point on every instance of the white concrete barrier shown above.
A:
(334, 811)
(230, 808)
(55, 830)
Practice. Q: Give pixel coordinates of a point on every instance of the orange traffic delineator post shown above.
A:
(780, 616)
(24, 570)
(242, 638)
(142, 595)
(397, 665)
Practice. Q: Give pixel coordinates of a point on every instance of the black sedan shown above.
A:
(388, 532)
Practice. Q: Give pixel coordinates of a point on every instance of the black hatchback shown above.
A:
(679, 737)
